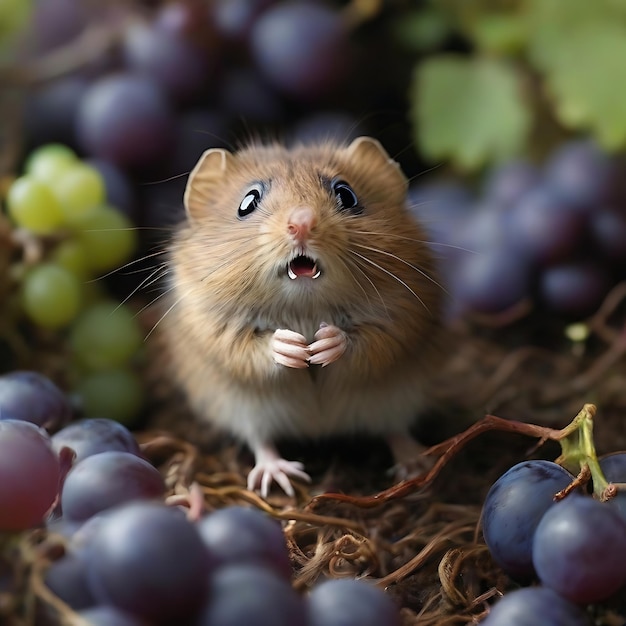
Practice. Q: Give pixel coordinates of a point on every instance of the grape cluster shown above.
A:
(180, 77)
(61, 210)
(131, 559)
(575, 546)
(555, 236)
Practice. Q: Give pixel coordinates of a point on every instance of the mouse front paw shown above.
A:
(277, 470)
(330, 344)
(290, 349)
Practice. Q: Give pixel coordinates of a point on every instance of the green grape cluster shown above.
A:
(60, 202)
(14, 16)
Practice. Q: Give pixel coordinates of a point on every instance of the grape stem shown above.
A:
(578, 455)
(578, 450)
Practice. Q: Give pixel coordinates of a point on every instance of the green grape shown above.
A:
(106, 335)
(49, 162)
(51, 295)
(79, 189)
(33, 206)
(14, 16)
(115, 394)
(108, 236)
(72, 255)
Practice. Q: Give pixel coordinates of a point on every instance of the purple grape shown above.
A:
(581, 173)
(32, 397)
(119, 190)
(513, 508)
(107, 479)
(233, 19)
(432, 198)
(544, 227)
(178, 66)
(126, 119)
(442, 208)
(246, 96)
(238, 534)
(146, 558)
(93, 435)
(185, 18)
(482, 230)
(608, 230)
(347, 602)
(326, 125)
(614, 469)
(490, 281)
(57, 23)
(110, 616)
(29, 475)
(57, 524)
(301, 47)
(575, 288)
(67, 579)
(532, 606)
(242, 594)
(579, 549)
(507, 183)
(50, 111)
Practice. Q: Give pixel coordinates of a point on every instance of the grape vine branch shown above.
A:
(578, 455)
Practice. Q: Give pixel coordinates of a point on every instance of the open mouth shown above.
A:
(303, 266)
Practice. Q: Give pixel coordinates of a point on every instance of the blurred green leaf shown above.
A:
(421, 30)
(500, 33)
(581, 52)
(469, 110)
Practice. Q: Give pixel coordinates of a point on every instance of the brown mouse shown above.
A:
(304, 300)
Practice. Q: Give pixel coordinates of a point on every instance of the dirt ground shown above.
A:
(419, 539)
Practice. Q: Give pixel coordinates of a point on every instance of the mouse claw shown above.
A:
(277, 470)
(289, 349)
(271, 467)
(331, 342)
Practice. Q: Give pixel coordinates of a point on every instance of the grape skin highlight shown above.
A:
(514, 507)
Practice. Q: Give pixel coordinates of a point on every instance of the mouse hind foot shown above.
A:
(271, 467)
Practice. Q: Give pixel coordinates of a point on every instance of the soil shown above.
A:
(419, 539)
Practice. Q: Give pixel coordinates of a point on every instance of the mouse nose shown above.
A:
(300, 222)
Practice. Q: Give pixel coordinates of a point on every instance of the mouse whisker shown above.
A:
(356, 280)
(426, 242)
(371, 282)
(224, 250)
(167, 312)
(389, 273)
(373, 233)
(133, 262)
(153, 302)
(397, 258)
(159, 272)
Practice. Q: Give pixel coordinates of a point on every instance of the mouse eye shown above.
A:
(250, 201)
(346, 198)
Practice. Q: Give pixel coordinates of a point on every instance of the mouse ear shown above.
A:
(209, 171)
(371, 158)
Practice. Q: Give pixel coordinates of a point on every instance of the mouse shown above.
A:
(303, 300)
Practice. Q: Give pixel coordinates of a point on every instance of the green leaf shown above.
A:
(469, 110)
(500, 33)
(581, 53)
(421, 30)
